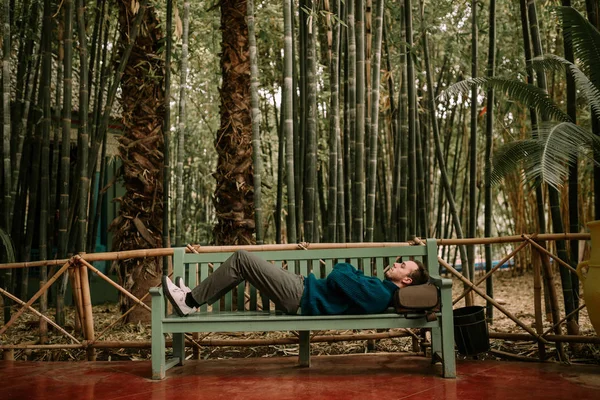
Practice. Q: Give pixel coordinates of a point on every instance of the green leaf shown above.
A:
(585, 40)
(547, 156)
(586, 87)
(530, 95)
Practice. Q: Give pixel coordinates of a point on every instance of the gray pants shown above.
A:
(283, 287)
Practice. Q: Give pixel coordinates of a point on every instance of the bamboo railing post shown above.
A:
(537, 302)
(8, 354)
(77, 297)
(549, 278)
(87, 316)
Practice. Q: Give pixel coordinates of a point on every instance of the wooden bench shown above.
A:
(224, 317)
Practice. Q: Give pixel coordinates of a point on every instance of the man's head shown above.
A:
(405, 273)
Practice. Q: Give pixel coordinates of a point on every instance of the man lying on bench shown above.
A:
(346, 290)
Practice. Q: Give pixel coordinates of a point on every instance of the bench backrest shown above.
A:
(372, 261)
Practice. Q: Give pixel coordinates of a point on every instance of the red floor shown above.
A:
(368, 376)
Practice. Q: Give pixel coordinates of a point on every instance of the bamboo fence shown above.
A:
(79, 266)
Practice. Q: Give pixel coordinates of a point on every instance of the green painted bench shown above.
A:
(225, 316)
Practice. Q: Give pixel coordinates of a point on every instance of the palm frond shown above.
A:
(512, 156)
(585, 39)
(591, 92)
(530, 95)
(547, 156)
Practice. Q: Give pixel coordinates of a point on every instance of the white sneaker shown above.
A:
(180, 282)
(176, 297)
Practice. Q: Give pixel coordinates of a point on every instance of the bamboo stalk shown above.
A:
(34, 298)
(291, 340)
(502, 262)
(551, 338)
(77, 297)
(87, 316)
(511, 356)
(509, 239)
(213, 342)
(537, 301)
(556, 258)
(39, 314)
(123, 255)
(8, 355)
(551, 289)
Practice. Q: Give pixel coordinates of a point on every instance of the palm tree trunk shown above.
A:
(179, 231)
(139, 224)
(233, 198)
(256, 116)
(375, 121)
(288, 119)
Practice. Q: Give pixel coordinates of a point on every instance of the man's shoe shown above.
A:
(179, 282)
(176, 297)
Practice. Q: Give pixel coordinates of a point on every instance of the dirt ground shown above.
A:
(514, 292)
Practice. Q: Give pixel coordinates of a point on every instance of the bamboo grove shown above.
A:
(320, 121)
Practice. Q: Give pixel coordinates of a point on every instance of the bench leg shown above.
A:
(304, 354)
(159, 367)
(179, 347)
(447, 331)
(436, 344)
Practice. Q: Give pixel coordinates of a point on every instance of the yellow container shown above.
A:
(589, 274)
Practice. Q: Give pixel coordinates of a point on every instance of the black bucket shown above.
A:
(471, 331)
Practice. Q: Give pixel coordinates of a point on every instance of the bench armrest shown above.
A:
(442, 283)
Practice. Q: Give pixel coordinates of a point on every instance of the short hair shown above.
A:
(420, 275)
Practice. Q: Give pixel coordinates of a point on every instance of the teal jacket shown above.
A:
(346, 290)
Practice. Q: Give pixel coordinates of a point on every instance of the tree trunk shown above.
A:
(234, 195)
(139, 224)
